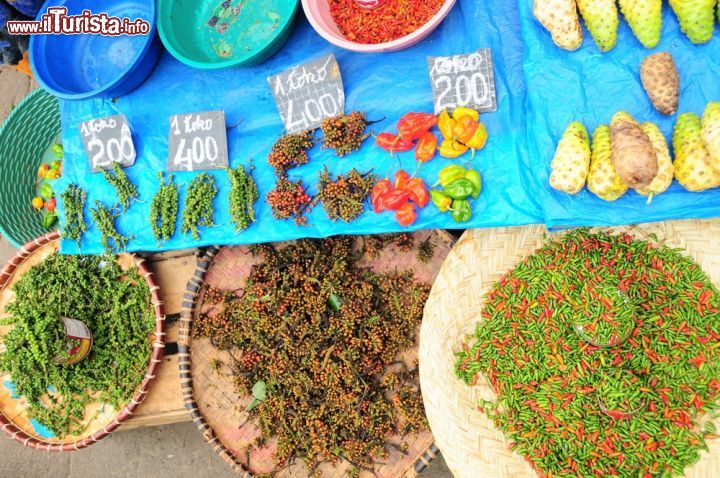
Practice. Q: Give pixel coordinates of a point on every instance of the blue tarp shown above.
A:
(583, 85)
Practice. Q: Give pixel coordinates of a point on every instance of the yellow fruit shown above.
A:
(38, 203)
(603, 181)
(693, 165)
(571, 163)
(560, 18)
(711, 133)
(664, 178)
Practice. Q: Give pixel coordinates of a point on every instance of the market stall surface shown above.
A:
(176, 451)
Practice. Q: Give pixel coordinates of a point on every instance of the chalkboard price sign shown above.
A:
(464, 80)
(108, 141)
(309, 93)
(198, 141)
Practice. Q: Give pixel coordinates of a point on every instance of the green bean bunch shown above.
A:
(199, 209)
(105, 221)
(124, 188)
(243, 195)
(164, 210)
(73, 199)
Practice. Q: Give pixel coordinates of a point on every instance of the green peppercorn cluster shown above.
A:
(344, 198)
(291, 150)
(164, 210)
(125, 189)
(199, 210)
(324, 368)
(105, 221)
(243, 195)
(345, 133)
(73, 199)
(289, 200)
(114, 304)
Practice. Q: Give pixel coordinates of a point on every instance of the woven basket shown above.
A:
(471, 445)
(219, 412)
(100, 419)
(29, 130)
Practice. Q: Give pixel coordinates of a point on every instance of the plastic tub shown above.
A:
(208, 34)
(86, 66)
(318, 13)
(30, 129)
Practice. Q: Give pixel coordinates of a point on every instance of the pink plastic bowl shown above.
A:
(318, 12)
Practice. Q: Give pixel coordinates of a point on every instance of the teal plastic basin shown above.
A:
(212, 34)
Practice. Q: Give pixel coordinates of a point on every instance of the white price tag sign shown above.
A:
(198, 141)
(464, 80)
(307, 94)
(108, 141)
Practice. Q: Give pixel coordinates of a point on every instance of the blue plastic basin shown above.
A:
(87, 66)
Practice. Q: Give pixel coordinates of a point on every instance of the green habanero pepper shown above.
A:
(475, 178)
(451, 174)
(49, 220)
(461, 210)
(46, 191)
(460, 189)
(58, 151)
(441, 200)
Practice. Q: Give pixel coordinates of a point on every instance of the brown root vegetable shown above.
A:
(633, 154)
(661, 81)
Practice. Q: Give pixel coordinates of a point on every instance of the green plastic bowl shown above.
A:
(211, 34)
(30, 129)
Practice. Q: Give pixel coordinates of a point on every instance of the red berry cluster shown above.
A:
(290, 151)
(289, 200)
(345, 133)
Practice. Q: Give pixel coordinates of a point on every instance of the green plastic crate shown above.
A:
(30, 129)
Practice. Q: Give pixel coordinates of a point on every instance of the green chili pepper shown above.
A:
(460, 189)
(441, 200)
(49, 220)
(58, 151)
(461, 210)
(46, 191)
(451, 174)
(475, 178)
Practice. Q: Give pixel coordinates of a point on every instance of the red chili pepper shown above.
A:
(401, 180)
(413, 125)
(406, 215)
(379, 193)
(426, 148)
(394, 200)
(418, 192)
(393, 143)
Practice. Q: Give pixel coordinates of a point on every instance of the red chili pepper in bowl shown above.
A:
(418, 192)
(379, 193)
(406, 215)
(413, 125)
(426, 148)
(393, 143)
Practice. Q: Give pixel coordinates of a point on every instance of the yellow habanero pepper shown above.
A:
(452, 149)
(446, 125)
(461, 111)
(479, 139)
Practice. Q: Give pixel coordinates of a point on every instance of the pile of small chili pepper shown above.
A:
(621, 394)
(459, 186)
(45, 198)
(392, 20)
(316, 339)
(113, 303)
(603, 316)
(547, 378)
(404, 196)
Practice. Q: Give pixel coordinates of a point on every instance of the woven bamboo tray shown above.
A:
(219, 412)
(469, 442)
(100, 419)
